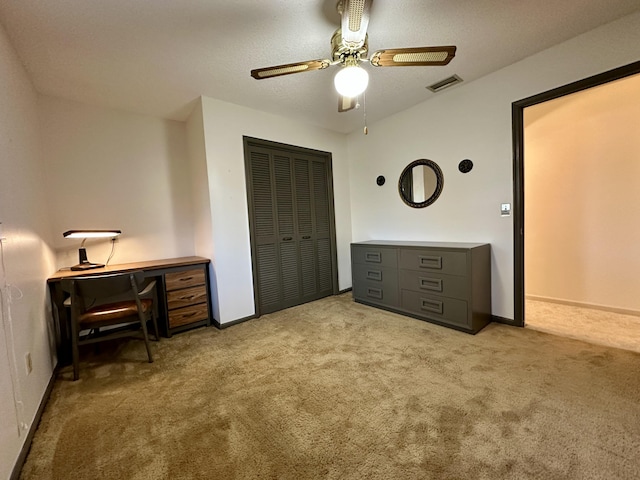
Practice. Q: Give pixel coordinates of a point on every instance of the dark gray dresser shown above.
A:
(444, 283)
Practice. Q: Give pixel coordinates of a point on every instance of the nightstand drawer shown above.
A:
(186, 297)
(184, 279)
(187, 315)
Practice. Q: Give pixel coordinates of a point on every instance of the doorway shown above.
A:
(292, 225)
(540, 104)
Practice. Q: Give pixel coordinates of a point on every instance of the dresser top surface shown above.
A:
(411, 243)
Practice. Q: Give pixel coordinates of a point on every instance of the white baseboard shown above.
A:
(606, 308)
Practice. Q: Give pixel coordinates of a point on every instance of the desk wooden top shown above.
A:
(126, 267)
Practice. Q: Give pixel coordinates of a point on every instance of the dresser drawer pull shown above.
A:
(375, 257)
(186, 279)
(188, 297)
(287, 239)
(432, 306)
(190, 314)
(427, 261)
(374, 275)
(434, 284)
(375, 293)
(306, 237)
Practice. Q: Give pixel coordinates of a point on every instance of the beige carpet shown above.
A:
(588, 324)
(338, 390)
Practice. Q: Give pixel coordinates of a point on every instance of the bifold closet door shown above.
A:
(292, 228)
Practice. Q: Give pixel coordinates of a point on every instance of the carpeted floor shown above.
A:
(588, 324)
(338, 390)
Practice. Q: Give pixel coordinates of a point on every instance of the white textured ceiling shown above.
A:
(158, 56)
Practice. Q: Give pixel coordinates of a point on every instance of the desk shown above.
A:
(182, 288)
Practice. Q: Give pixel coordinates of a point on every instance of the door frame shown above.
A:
(259, 142)
(517, 122)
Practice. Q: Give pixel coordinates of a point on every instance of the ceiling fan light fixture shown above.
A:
(351, 81)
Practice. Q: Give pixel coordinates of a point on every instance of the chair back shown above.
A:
(99, 301)
(100, 289)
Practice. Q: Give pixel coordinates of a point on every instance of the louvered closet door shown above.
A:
(292, 232)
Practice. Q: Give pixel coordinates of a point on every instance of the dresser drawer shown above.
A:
(187, 315)
(186, 297)
(375, 275)
(186, 278)
(374, 255)
(434, 283)
(443, 261)
(368, 292)
(442, 309)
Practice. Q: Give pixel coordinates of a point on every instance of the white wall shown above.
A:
(471, 121)
(201, 201)
(582, 197)
(114, 169)
(26, 262)
(224, 126)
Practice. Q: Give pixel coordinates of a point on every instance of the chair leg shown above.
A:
(154, 316)
(75, 352)
(143, 322)
(155, 327)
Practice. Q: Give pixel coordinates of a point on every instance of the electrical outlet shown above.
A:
(27, 362)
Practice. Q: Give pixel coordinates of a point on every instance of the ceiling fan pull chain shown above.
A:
(364, 111)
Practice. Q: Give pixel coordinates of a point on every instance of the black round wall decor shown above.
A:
(465, 166)
(380, 180)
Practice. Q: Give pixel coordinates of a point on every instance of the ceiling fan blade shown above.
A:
(407, 57)
(289, 68)
(346, 103)
(355, 20)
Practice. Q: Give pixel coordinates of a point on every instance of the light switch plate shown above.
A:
(505, 209)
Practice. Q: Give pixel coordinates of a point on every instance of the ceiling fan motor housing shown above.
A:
(340, 50)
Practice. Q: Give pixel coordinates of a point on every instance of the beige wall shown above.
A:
(26, 260)
(114, 169)
(582, 197)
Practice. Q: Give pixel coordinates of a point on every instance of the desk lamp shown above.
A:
(82, 252)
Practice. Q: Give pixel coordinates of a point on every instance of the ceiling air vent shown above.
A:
(442, 84)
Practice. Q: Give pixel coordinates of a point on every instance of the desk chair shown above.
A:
(109, 301)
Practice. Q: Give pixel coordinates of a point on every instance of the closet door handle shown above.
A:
(287, 239)
(306, 237)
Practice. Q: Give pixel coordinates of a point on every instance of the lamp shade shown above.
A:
(85, 264)
(91, 233)
(351, 81)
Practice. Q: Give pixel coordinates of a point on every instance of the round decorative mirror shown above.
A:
(421, 183)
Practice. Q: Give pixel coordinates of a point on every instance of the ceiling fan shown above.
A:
(349, 47)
